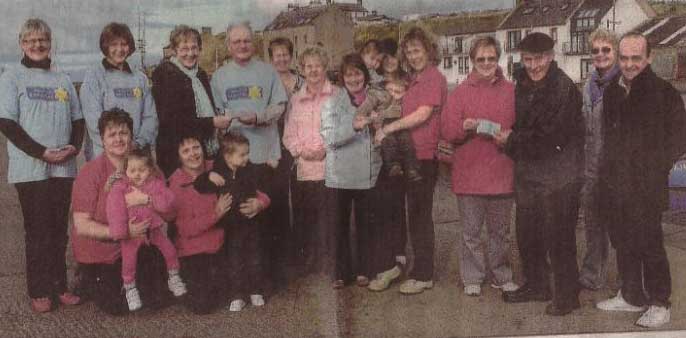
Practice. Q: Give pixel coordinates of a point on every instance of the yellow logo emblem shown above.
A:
(137, 92)
(61, 95)
(255, 92)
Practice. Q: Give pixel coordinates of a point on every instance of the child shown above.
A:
(141, 179)
(372, 57)
(397, 149)
(232, 173)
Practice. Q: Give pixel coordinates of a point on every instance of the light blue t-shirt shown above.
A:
(106, 89)
(252, 88)
(44, 104)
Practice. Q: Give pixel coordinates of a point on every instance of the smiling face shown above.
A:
(281, 59)
(238, 157)
(117, 52)
(536, 64)
(190, 155)
(116, 140)
(240, 44)
(633, 58)
(396, 90)
(604, 55)
(313, 71)
(390, 64)
(416, 55)
(486, 61)
(372, 59)
(353, 79)
(138, 170)
(188, 52)
(36, 46)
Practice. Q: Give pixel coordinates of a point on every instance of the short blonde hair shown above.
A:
(314, 51)
(182, 33)
(602, 34)
(482, 42)
(35, 25)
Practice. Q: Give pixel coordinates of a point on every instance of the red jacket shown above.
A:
(480, 167)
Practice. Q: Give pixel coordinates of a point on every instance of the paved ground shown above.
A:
(309, 308)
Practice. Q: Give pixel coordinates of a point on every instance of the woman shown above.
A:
(482, 175)
(421, 106)
(183, 97)
(41, 118)
(390, 65)
(94, 249)
(281, 54)
(112, 83)
(314, 204)
(352, 167)
(198, 240)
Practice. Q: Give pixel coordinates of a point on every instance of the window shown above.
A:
(448, 62)
(458, 45)
(463, 65)
(295, 41)
(586, 67)
(553, 33)
(527, 32)
(305, 38)
(513, 38)
(579, 43)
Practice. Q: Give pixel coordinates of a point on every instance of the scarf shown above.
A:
(43, 64)
(203, 105)
(598, 84)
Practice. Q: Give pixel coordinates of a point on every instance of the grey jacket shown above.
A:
(352, 161)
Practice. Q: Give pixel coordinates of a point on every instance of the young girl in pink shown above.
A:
(142, 196)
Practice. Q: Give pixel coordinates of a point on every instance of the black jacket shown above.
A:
(175, 103)
(644, 134)
(547, 137)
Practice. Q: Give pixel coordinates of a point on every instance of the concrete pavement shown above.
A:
(310, 308)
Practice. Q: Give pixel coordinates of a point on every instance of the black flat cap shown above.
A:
(536, 43)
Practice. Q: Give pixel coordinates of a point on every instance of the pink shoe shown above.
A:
(41, 305)
(69, 298)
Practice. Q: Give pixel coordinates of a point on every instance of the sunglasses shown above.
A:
(605, 50)
(484, 59)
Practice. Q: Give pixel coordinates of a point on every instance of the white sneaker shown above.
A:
(256, 300)
(413, 286)
(507, 287)
(236, 305)
(133, 299)
(655, 316)
(176, 285)
(473, 290)
(383, 280)
(618, 303)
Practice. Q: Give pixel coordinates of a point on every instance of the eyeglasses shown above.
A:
(42, 41)
(482, 59)
(186, 50)
(605, 50)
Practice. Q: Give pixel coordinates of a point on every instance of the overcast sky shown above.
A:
(76, 24)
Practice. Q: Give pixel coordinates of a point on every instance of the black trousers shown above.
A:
(204, 282)
(387, 227)
(420, 198)
(278, 240)
(545, 227)
(242, 260)
(315, 210)
(364, 204)
(45, 207)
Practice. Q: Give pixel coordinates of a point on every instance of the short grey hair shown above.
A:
(35, 25)
(232, 26)
(314, 51)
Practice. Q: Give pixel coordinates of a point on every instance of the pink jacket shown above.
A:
(118, 215)
(480, 167)
(302, 135)
(195, 217)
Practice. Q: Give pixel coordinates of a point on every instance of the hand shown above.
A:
(221, 121)
(313, 154)
(360, 122)
(251, 207)
(136, 197)
(501, 137)
(248, 119)
(470, 124)
(380, 135)
(273, 163)
(138, 229)
(445, 148)
(59, 155)
(217, 179)
(223, 205)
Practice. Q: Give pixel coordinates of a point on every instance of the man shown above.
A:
(546, 144)
(593, 272)
(645, 133)
(251, 92)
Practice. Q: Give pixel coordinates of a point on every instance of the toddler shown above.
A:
(142, 179)
(232, 173)
(397, 149)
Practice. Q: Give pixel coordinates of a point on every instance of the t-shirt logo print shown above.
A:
(137, 92)
(255, 92)
(61, 95)
(244, 92)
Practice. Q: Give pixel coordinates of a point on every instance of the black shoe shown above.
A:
(560, 310)
(527, 293)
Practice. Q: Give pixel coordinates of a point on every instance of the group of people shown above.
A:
(263, 167)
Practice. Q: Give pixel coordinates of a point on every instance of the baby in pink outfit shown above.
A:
(140, 178)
